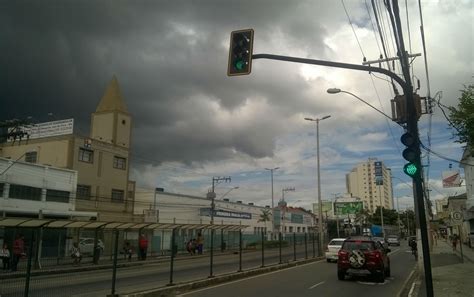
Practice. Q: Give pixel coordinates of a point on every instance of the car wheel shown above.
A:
(341, 274)
(327, 260)
(387, 272)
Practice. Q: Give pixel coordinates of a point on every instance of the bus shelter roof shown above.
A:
(55, 223)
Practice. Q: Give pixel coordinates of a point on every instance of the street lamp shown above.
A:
(336, 91)
(320, 206)
(271, 173)
(273, 203)
(234, 188)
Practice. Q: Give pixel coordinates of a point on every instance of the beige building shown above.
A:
(360, 182)
(101, 159)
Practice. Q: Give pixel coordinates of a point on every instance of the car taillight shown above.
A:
(374, 255)
(342, 254)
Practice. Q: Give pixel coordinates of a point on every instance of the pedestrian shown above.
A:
(190, 247)
(5, 256)
(18, 251)
(127, 251)
(200, 243)
(454, 241)
(76, 254)
(143, 245)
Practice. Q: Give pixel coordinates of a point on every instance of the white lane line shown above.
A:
(314, 286)
(247, 278)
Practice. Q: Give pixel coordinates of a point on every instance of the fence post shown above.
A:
(240, 250)
(114, 268)
(211, 254)
(263, 249)
(173, 252)
(294, 246)
(28, 267)
(279, 244)
(306, 245)
(314, 251)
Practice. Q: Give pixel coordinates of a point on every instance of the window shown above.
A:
(25, 192)
(83, 192)
(57, 196)
(117, 195)
(31, 157)
(120, 163)
(86, 155)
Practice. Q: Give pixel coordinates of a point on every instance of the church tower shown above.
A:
(111, 121)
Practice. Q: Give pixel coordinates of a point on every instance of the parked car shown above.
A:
(393, 240)
(382, 241)
(86, 245)
(363, 256)
(333, 248)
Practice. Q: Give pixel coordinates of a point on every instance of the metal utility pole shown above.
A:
(273, 203)
(212, 195)
(287, 189)
(320, 206)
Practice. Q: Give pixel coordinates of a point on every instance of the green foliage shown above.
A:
(462, 117)
(390, 217)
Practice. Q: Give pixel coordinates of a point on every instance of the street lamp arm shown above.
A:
(367, 103)
(369, 69)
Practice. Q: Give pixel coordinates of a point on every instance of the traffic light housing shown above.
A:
(409, 153)
(240, 52)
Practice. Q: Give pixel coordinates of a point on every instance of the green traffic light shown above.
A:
(410, 169)
(240, 64)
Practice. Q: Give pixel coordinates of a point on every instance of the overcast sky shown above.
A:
(191, 122)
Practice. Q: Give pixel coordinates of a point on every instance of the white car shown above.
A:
(333, 248)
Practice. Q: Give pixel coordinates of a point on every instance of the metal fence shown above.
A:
(111, 261)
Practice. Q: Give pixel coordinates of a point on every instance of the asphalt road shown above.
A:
(315, 279)
(147, 276)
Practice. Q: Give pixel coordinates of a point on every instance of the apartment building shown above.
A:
(373, 188)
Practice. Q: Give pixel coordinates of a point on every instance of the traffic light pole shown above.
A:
(412, 127)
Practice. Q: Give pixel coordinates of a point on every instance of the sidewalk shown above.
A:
(451, 277)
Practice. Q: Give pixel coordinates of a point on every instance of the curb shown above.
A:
(180, 288)
(407, 286)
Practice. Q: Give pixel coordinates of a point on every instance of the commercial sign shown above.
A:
(327, 208)
(225, 214)
(456, 217)
(451, 179)
(378, 173)
(48, 129)
(344, 208)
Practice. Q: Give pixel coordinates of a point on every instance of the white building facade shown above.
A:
(33, 190)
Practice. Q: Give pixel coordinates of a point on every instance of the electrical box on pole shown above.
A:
(399, 108)
(240, 52)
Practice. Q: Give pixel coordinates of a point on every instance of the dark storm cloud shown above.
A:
(58, 56)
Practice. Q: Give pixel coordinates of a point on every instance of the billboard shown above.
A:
(47, 129)
(344, 208)
(327, 208)
(378, 173)
(225, 214)
(451, 179)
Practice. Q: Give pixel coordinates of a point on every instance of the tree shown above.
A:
(462, 117)
(265, 216)
(390, 217)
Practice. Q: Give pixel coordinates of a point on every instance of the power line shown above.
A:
(353, 30)
(373, 27)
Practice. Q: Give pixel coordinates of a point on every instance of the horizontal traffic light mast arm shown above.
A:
(397, 78)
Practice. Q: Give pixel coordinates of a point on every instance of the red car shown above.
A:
(363, 256)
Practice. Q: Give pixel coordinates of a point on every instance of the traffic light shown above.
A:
(240, 52)
(411, 168)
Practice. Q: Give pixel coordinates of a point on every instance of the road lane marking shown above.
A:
(247, 278)
(314, 286)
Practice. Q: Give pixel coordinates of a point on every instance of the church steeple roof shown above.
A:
(112, 99)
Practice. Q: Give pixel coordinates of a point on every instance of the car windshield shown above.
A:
(358, 245)
(336, 242)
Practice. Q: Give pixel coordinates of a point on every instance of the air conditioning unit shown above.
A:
(150, 216)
